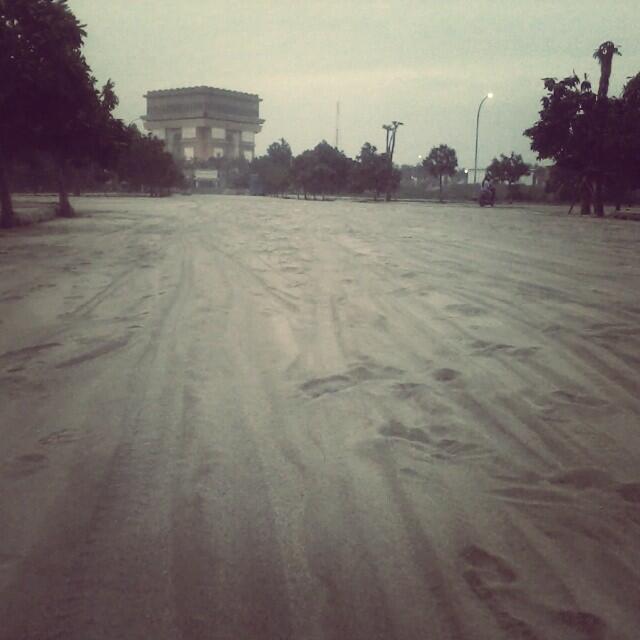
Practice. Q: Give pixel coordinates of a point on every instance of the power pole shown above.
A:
(391, 130)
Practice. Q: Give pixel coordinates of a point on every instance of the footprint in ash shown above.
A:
(25, 465)
(395, 429)
(495, 583)
(629, 491)
(63, 436)
(466, 310)
(446, 374)
(449, 449)
(331, 384)
(360, 372)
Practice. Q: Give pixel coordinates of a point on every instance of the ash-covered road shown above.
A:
(257, 418)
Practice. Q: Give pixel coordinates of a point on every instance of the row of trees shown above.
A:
(53, 114)
(592, 138)
(325, 170)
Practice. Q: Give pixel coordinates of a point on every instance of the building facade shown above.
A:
(200, 123)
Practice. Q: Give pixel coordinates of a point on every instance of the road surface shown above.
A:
(257, 418)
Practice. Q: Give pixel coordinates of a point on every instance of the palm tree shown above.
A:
(604, 55)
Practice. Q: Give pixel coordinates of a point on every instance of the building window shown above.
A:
(248, 155)
(248, 136)
(159, 133)
(188, 153)
(217, 132)
(188, 132)
(218, 152)
(233, 136)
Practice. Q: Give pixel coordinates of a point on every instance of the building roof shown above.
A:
(200, 89)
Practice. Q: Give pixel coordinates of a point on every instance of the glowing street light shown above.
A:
(475, 164)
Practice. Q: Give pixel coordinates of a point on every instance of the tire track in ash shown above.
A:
(225, 543)
(443, 598)
(117, 543)
(435, 332)
(584, 358)
(518, 369)
(333, 600)
(463, 397)
(497, 274)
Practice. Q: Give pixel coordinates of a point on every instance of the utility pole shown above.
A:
(391, 130)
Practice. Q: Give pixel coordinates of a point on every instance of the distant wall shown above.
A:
(469, 192)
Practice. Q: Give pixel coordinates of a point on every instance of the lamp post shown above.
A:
(475, 163)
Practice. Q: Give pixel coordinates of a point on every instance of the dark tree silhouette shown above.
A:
(275, 168)
(574, 127)
(441, 161)
(508, 169)
(49, 102)
(604, 55)
(321, 170)
(374, 172)
(145, 165)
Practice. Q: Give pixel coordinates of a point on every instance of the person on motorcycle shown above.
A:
(487, 191)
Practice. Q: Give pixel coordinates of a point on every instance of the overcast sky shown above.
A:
(425, 63)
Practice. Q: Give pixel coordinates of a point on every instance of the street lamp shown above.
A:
(475, 164)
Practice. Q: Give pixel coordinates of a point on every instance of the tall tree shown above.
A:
(566, 131)
(604, 55)
(48, 98)
(622, 141)
(321, 170)
(274, 168)
(441, 161)
(302, 172)
(77, 126)
(572, 130)
(145, 164)
(374, 172)
(32, 32)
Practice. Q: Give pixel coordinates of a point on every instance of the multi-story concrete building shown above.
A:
(199, 123)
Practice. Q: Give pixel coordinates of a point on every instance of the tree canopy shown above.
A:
(508, 169)
(144, 164)
(593, 138)
(49, 102)
(441, 161)
(373, 172)
(274, 168)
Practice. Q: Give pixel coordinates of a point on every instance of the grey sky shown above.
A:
(425, 63)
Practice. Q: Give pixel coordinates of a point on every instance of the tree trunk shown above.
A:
(64, 210)
(598, 201)
(585, 198)
(604, 54)
(440, 188)
(7, 214)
